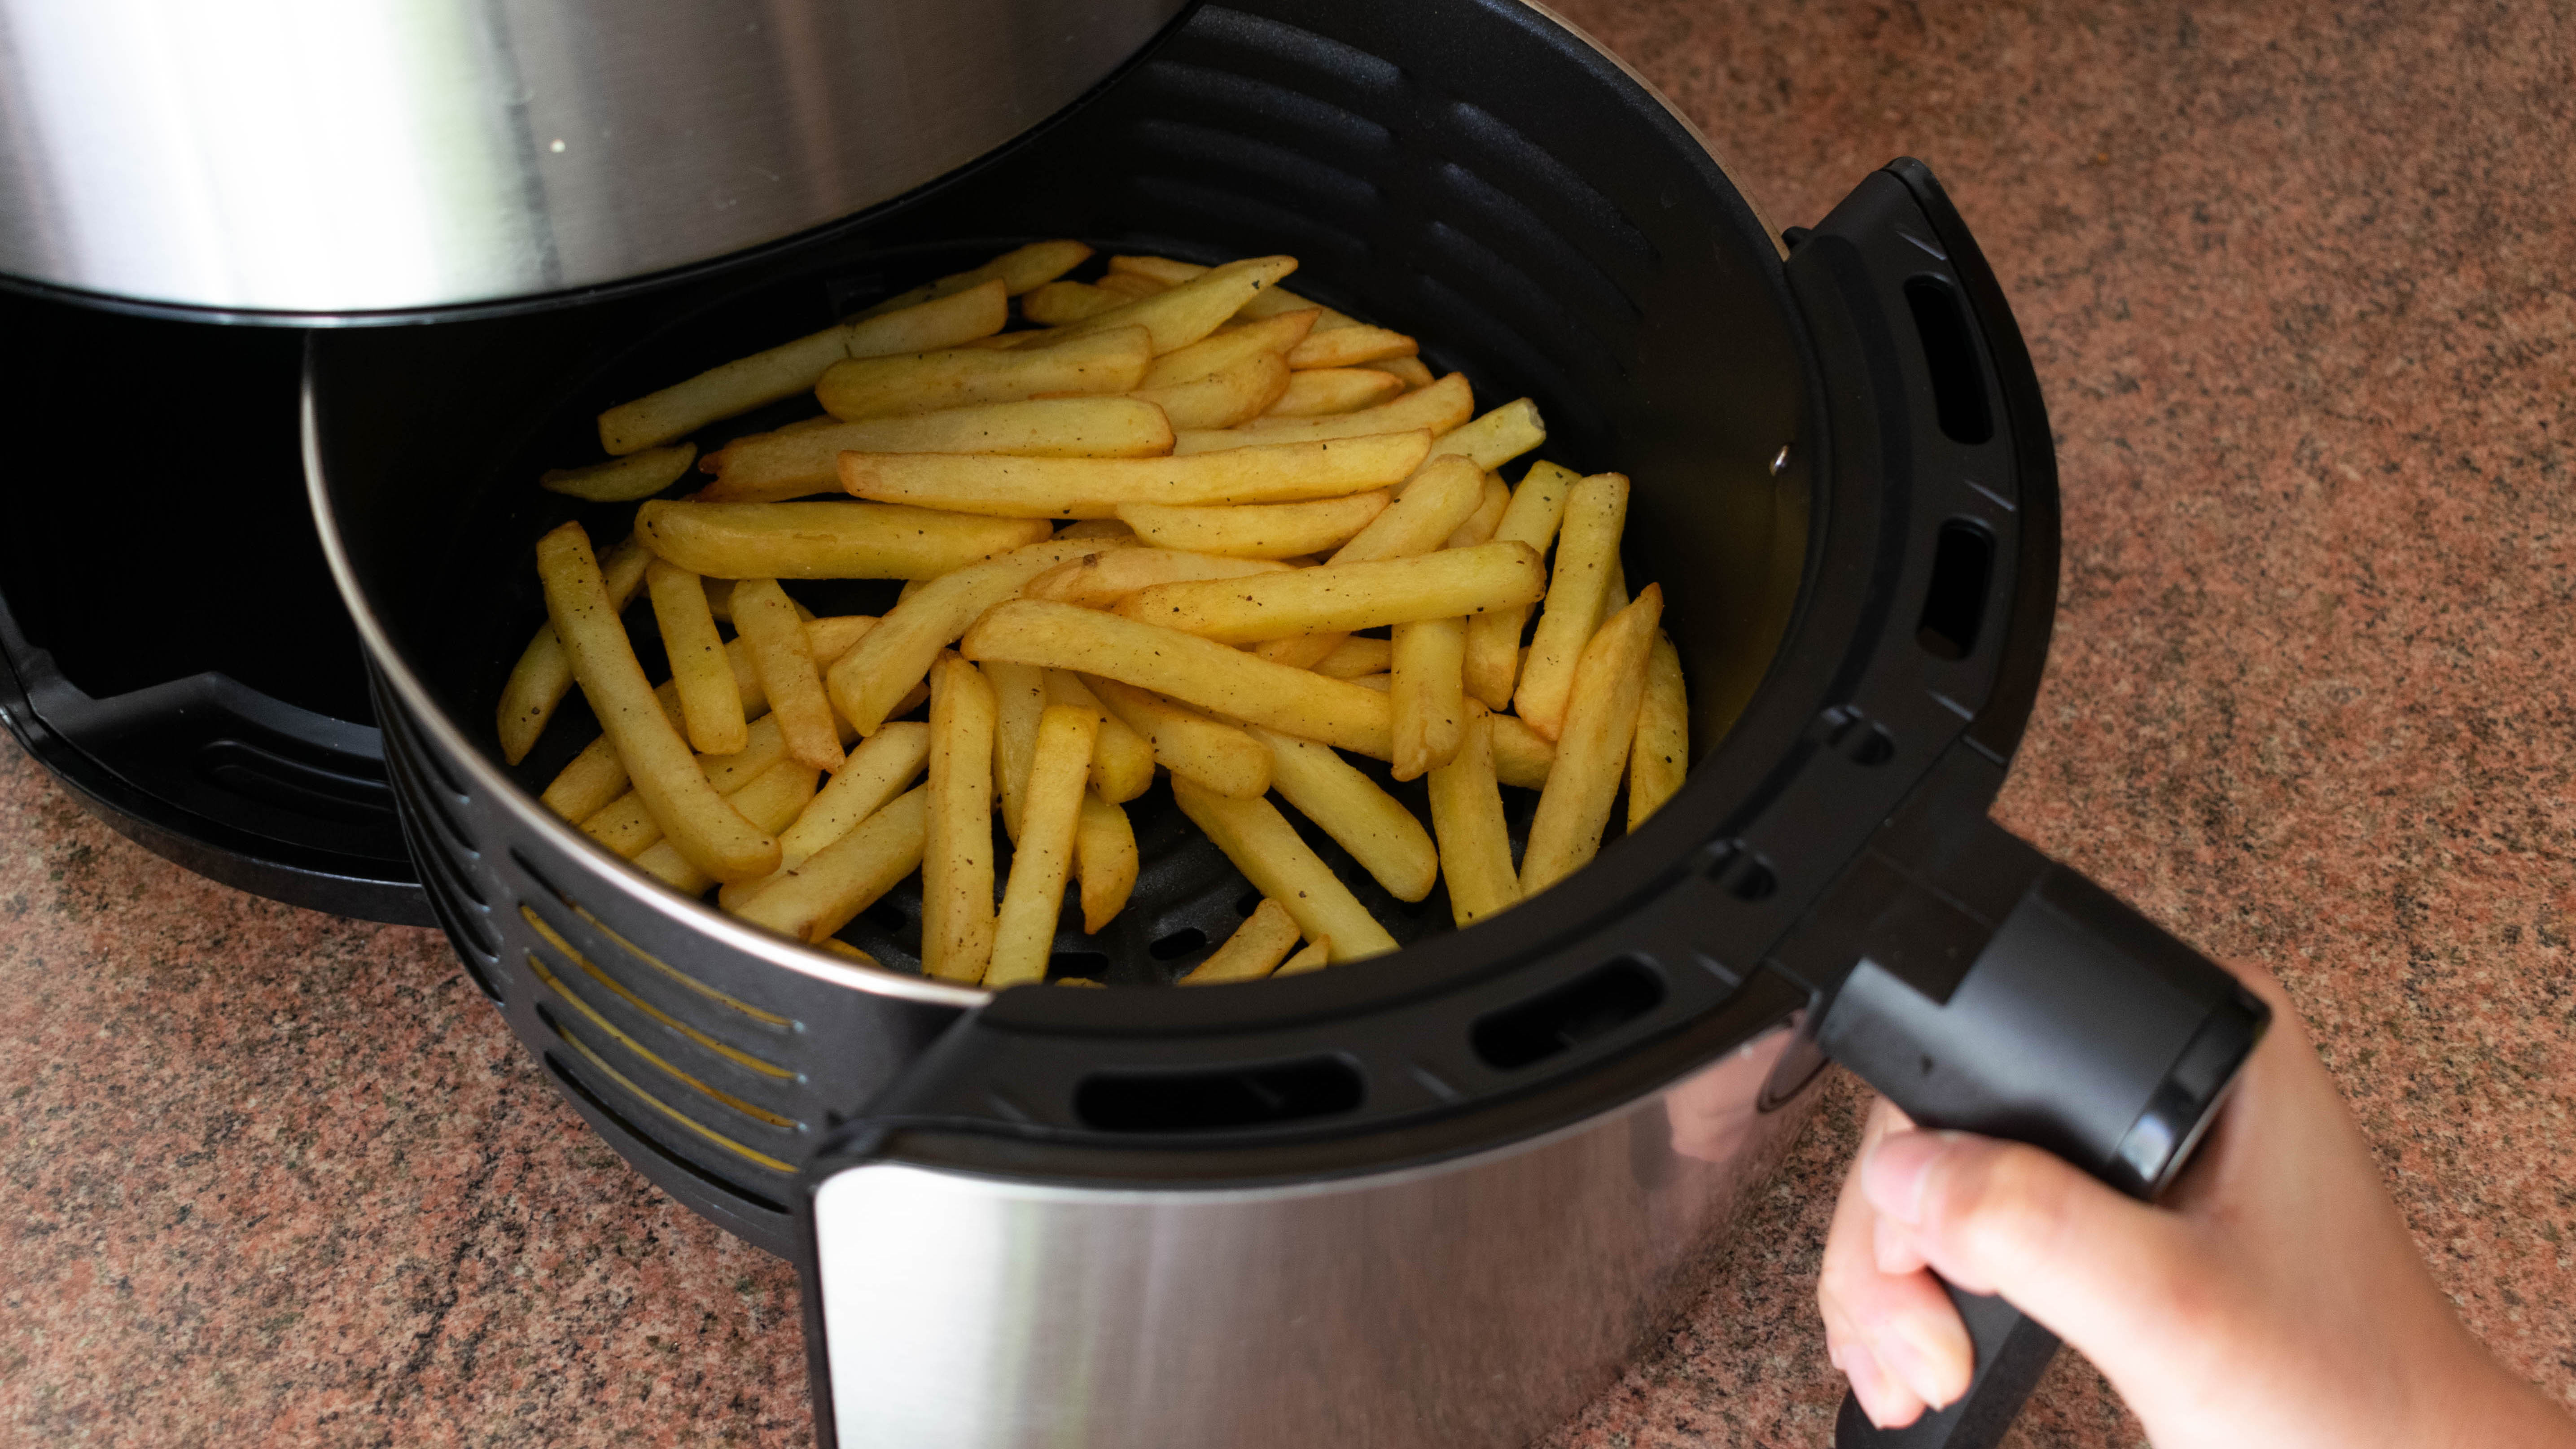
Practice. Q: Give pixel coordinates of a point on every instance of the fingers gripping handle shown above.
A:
(2079, 1027)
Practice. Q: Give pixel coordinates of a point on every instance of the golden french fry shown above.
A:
(1222, 350)
(1097, 487)
(1033, 899)
(1494, 637)
(1596, 512)
(1345, 597)
(626, 827)
(957, 860)
(1349, 347)
(1321, 391)
(824, 540)
(1353, 658)
(1480, 525)
(1059, 303)
(1439, 500)
(1197, 672)
(1020, 270)
(770, 467)
(1317, 955)
(1122, 761)
(1110, 362)
(1441, 407)
(1301, 651)
(1254, 950)
(1615, 597)
(1102, 580)
(720, 598)
(1256, 530)
(1523, 757)
(1383, 683)
(878, 770)
(1262, 845)
(1492, 440)
(1600, 727)
(1186, 311)
(883, 666)
(1467, 815)
(623, 480)
(765, 618)
(1105, 861)
(816, 899)
(543, 676)
(1019, 703)
(700, 672)
(1225, 397)
(1428, 694)
(844, 949)
(1408, 371)
(1220, 756)
(1379, 832)
(1129, 284)
(1277, 301)
(698, 822)
(1661, 754)
(770, 800)
(1095, 528)
(784, 371)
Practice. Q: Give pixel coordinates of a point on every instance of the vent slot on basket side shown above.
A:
(1580, 1010)
(581, 1091)
(1255, 1096)
(1950, 352)
(1954, 603)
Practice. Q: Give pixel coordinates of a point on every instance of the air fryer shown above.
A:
(1437, 1197)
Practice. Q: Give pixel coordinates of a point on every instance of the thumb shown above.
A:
(2102, 1271)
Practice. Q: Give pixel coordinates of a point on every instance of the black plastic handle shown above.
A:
(2013, 1351)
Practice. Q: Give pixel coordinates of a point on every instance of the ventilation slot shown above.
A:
(1954, 607)
(696, 1128)
(1950, 353)
(1570, 1015)
(1218, 1101)
(622, 1127)
(740, 1058)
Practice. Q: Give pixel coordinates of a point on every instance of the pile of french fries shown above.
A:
(1250, 488)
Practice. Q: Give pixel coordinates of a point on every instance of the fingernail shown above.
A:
(1929, 1361)
(1867, 1382)
(1898, 1168)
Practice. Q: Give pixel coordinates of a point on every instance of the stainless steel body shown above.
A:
(1473, 1301)
(307, 157)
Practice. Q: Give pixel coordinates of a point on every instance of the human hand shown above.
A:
(2272, 1298)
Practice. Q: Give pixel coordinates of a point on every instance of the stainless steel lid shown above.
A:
(345, 157)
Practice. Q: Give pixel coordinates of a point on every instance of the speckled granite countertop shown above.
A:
(2302, 291)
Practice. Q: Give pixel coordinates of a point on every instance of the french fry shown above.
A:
(1129, 284)
(1494, 637)
(1110, 362)
(1491, 440)
(1277, 301)
(770, 467)
(1661, 754)
(1186, 311)
(1480, 525)
(1058, 303)
(710, 705)
(816, 899)
(1122, 761)
(765, 619)
(1428, 694)
(1600, 727)
(543, 676)
(770, 801)
(1102, 580)
(1379, 833)
(1097, 487)
(1196, 672)
(1262, 845)
(1254, 950)
(1345, 597)
(1317, 955)
(1353, 658)
(1225, 397)
(1349, 347)
(883, 666)
(846, 951)
(1596, 512)
(697, 821)
(1439, 500)
(1256, 530)
(1408, 371)
(1019, 703)
(719, 594)
(1523, 757)
(1467, 816)
(876, 772)
(1321, 391)
(626, 827)
(1033, 899)
(1383, 683)
(957, 858)
(1615, 596)
(1222, 350)
(1219, 756)
(1020, 270)
(1095, 528)
(1104, 861)
(824, 540)
(622, 480)
(784, 371)
(1442, 407)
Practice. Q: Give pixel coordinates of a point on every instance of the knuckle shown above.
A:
(2009, 1205)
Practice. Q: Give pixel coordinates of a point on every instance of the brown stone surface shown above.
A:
(2299, 285)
